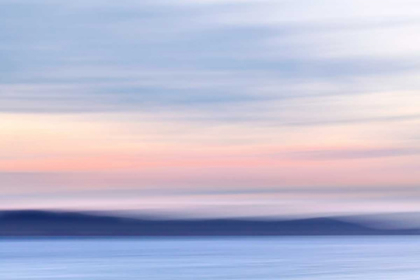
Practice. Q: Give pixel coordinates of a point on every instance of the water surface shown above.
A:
(332, 258)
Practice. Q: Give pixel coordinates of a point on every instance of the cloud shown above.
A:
(132, 55)
(346, 154)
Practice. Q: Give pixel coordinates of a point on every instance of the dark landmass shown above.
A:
(46, 223)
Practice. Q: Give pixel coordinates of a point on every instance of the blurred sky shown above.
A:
(210, 107)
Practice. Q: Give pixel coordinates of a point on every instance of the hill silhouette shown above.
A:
(47, 223)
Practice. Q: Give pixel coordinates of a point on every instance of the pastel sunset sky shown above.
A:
(210, 107)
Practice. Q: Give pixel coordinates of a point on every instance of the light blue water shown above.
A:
(335, 258)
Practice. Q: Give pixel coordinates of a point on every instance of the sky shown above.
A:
(210, 107)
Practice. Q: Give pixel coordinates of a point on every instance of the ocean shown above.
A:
(262, 258)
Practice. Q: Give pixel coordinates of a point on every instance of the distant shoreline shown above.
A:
(31, 223)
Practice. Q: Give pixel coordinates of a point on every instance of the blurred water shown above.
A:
(213, 258)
